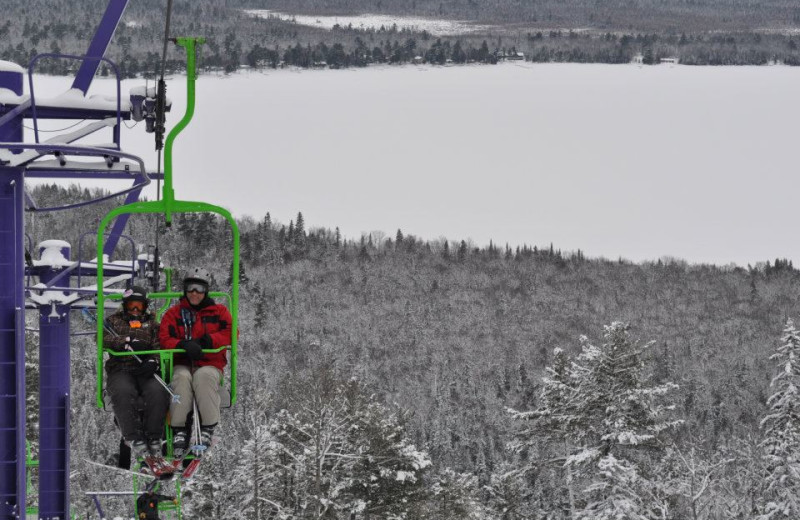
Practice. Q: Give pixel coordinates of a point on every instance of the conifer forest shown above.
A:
(387, 377)
(707, 32)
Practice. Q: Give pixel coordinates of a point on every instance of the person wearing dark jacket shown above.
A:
(134, 328)
(195, 324)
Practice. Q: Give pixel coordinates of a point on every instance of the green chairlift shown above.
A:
(168, 206)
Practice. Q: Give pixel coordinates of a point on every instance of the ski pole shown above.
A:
(197, 446)
(85, 312)
(175, 397)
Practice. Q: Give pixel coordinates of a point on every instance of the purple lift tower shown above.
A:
(56, 292)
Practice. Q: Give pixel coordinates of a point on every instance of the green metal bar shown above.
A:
(170, 295)
(168, 195)
(161, 352)
(168, 285)
(167, 206)
(30, 463)
(178, 206)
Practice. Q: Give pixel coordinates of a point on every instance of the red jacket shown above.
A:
(210, 318)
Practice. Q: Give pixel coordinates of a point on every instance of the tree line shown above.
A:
(729, 33)
(459, 377)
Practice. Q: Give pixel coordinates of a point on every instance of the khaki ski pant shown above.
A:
(204, 386)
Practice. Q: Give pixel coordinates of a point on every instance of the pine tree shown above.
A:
(781, 442)
(300, 233)
(334, 452)
(453, 496)
(551, 428)
(619, 416)
(601, 411)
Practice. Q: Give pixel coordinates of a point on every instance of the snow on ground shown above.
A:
(692, 162)
(376, 21)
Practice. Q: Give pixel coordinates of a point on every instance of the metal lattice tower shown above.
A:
(55, 295)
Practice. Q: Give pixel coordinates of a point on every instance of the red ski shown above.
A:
(159, 467)
(188, 471)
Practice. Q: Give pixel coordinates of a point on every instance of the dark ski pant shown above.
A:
(125, 389)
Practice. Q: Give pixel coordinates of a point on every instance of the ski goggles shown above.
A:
(135, 306)
(196, 287)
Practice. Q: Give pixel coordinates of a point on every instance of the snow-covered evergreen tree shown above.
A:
(550, 431)
(781, 426)
(623, 421)
(386, 477)
(608, 422)
(452, 496)
(336, 453)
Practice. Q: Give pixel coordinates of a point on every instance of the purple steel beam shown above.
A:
(82, 174)
(97, 503)
(47, 112)
(54, 365)
(12, 321)
(38, 57)
(122, 221)
(11, 76)
(9, 131)
(12, 345)
(88, 151)
(97, 49)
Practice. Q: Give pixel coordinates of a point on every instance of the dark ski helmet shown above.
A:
(197, 275)
(135, 294)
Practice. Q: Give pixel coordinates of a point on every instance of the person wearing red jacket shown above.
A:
(195, 324)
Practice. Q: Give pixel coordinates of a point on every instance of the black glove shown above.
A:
(139, 344)
(117, 343)
(147, 368)
(192, 348)
(206, 342)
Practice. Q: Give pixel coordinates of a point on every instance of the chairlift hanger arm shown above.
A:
(190, 44)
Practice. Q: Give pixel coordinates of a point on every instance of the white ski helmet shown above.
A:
(197, 275)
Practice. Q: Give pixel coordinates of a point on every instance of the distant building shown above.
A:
(638, 59)
(672, 61)
(418, 60)
(319, 64)
(510, 55)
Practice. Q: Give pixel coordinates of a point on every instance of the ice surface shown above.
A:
(617, 160)
(376, 21)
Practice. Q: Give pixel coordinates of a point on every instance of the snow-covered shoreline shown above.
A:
(376, 21)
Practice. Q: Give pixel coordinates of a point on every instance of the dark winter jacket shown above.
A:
(144, 328)
(211, 319)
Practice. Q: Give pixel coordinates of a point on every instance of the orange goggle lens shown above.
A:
(134, 306)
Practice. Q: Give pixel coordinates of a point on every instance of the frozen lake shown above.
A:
(639, 162)
(435, 27)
